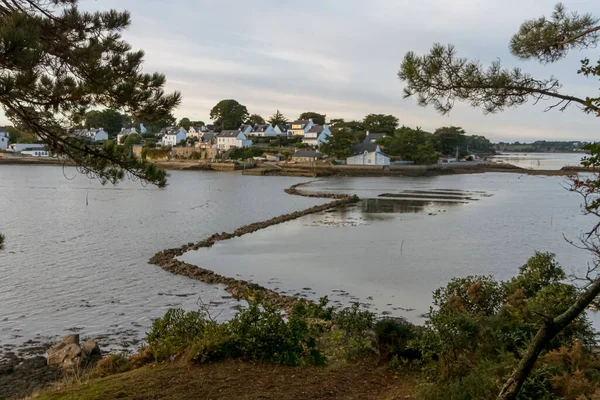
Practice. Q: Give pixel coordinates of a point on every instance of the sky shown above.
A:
(341, 57)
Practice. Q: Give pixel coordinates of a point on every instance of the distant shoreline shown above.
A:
(324, 170)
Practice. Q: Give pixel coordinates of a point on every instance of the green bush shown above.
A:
(172, 333)
(394, 339)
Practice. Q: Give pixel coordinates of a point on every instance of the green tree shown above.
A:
(255, 119)
(339, 144)
(132, 139)
(380, 123)
(278, 119)
(185, 123)
(229, 114)
(412, 145)
(13, 134)
(110, 120)
(198, 123)
(449, 138)
(57, 61)
(154, 126)
(317, 118)
(440, 78)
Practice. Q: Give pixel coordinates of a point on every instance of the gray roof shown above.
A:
(243, 127)
(374, 136)
(301, 121)
(231, 133)
(361, 148)
(210, 127)
(207, 137)
(261, 128)
(316, 129)
(305, 154)
(283, 127)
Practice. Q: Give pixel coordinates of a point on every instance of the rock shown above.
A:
(91, 348)
(67, 354)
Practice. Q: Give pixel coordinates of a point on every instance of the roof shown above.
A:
(283, 127)
(208, 136)
(210, 127)
(126, 131)
(230, 133)
(316, 129)
(301, 121)
(175, 133)
(243, 127)
(374, 136)
(306, 154)
(261, 128)
(361, 148)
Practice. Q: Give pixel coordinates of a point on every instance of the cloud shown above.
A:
(341, 57)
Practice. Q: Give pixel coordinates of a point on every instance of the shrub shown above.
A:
(174, 332)
(112, 364)
(394, 339)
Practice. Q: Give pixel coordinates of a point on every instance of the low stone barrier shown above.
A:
(240, 289)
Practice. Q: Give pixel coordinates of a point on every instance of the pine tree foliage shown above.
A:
(57, 62)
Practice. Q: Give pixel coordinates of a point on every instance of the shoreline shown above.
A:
(310, 170)
(241, 289)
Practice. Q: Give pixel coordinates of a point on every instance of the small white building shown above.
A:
(367, 154)
(264, 130)
(3, 139)
(317, 135)
(195, 131)
(19, 147)
(173, 138)
(124, 132)
(300, 127)
(230, 139)
(36, 152)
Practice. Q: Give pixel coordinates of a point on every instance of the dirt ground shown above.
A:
(242, 380)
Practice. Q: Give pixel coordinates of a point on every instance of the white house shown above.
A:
(174, 137)
(97, 135)
(36, 153)
(229, 139)
(195, 131)
(93, 134)
(317, 135)
(282, 129)
(264, 130)
(367, 154)
(3, 139)
(19, 147)
(124, 132)
(300, 127)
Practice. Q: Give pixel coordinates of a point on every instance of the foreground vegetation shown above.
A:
(475, 334)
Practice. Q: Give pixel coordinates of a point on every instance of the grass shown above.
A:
(243, 380)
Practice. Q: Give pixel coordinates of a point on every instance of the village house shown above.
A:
(93, 134)
(209, 128)
(367, 154)
(207, 141)
(274, 157)
(282, 129)
(264, 130)
(124, 132)
(19, 147)
(300, 127)
(3, 139)
(317, 135)
(174, 137)
(373, 137)
(303, 156)
(36, 152)
(229, 139)
(246, 129)
(195, 131)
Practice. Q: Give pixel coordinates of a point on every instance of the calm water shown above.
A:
(392, 254)
(68, 265)
(549, 161)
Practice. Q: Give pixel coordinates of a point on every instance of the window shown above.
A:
(369, 161)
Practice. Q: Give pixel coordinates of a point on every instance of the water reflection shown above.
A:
(390, 206)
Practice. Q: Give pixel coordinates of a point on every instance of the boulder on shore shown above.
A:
(68, 355)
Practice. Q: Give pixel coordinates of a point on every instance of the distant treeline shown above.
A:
(541, 146)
